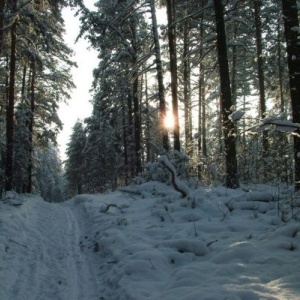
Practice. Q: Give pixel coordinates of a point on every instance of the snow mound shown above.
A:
(147, 243)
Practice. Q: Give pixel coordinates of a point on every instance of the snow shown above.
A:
(180, 185)
(236, 115)
(278, 122)
(146, 242)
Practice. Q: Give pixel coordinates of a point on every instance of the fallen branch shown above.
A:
(179, 186)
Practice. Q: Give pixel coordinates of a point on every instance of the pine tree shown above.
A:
(226, 102)
(37, 86)
(75, 167)
(291, 26)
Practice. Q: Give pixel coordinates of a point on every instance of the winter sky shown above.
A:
(79, 106)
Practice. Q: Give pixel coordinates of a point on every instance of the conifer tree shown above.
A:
(75, 167)
(226, 101)
(42, 80)
(291, 25)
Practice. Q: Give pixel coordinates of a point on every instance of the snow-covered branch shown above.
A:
(179, 185)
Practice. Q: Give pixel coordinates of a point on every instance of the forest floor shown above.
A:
(146, 242)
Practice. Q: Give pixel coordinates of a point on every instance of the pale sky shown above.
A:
(79, 106)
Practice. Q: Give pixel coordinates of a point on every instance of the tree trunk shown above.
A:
(31, 124)
(280, 68)
(159, 70)
(261, 79)
(137, 124)
(173, 68)
(23, 96)
(10, 106)
(234, 67)
(126, 160)
(292, 36)
(136, 104)
(186, 91)
(202, 148)
(226, 102)
(148, 122)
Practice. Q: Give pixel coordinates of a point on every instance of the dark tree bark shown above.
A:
(31, 124)
(23, 83)
(261, 77)
(137, 124)
(148, 122)
(234, 68)
(130, 134)
(292, 36)
(202, 148)
(186, 91)
(10, 106)
(125, 143)
(136, 103)
(159, 70)
(229, 132)
(173, 68)
(280, 67)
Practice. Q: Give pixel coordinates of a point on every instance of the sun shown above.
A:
(169, 121)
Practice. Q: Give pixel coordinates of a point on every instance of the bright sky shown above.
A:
(79, 106)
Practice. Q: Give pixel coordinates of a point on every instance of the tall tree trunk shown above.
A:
(10, 105)
(261, 78)
(173, 68)
(280, 69)
(125, 143)
(148, 122)
(234, 67)
(202, 148)
(226, 101)
(31, 124)
(292, 36)
(159, 71)
(186, 91)
(130, 132)
(23, 96)
(136, 103)
(137, 123)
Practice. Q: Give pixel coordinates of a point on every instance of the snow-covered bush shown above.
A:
(158, 172)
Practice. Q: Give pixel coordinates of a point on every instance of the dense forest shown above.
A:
(228, 71)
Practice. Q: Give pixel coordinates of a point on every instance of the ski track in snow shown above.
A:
(147, 243)
(49, 263)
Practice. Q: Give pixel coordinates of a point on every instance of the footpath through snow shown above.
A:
(151, 244)
(40, 257)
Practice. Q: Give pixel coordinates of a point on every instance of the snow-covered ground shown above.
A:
(149, 243)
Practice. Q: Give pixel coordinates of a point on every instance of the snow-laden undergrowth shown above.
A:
(146, 242)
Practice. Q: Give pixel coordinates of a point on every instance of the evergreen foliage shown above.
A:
(122, 134)
(148, 67)
(75, 166)
(34, 66)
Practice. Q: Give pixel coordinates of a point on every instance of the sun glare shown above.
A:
(169, 121)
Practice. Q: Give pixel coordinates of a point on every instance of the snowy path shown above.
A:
(45, 258)
(151, 245)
